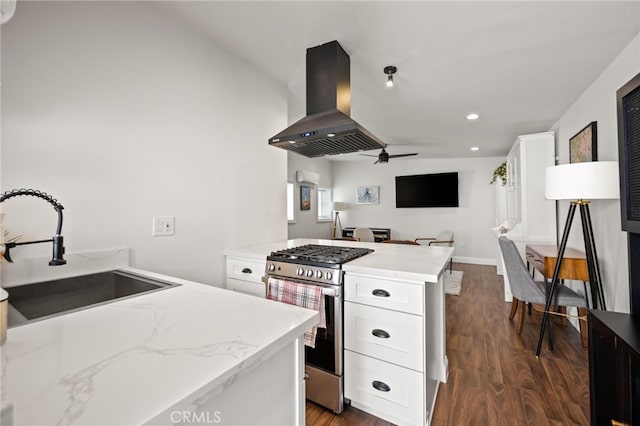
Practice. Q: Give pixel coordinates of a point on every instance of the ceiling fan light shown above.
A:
(390, 81)
(390, 70)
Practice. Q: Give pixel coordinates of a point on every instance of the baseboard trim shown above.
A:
(475, 260)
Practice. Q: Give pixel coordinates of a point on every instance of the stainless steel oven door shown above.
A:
(324, 363)
(327, 354)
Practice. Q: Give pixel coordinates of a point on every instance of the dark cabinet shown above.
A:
(614, 368)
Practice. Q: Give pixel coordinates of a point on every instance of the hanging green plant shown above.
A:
(500, 172)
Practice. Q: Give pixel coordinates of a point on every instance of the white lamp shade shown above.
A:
(592, 180)
(339, 206)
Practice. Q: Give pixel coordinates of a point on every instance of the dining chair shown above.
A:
(526, 290)
(364, 235)
(443, 239)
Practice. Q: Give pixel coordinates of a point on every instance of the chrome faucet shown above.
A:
(58, 241)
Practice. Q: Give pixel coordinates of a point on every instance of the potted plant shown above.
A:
(500, 172)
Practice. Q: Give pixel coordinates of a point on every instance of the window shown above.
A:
(291, 217)
(324, 204)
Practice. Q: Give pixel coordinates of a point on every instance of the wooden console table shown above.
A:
(574, 266)
(543, 257)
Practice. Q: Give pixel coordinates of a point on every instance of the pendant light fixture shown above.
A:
(390, 70)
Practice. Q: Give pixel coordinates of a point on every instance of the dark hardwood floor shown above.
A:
(494, 376)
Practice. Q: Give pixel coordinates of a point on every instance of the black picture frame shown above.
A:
(583, 146)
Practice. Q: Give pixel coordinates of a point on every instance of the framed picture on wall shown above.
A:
(305, 197)
(368, 195)
(584, 145)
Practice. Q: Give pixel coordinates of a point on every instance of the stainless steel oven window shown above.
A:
(327, 354)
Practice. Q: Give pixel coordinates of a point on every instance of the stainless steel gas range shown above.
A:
(322, 266)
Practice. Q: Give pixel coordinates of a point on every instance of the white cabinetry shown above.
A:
(386, 369)
(530, 217)
(245, 276)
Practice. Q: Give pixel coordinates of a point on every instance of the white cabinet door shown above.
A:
(387, 335)
(246, 270)
(388, 294)
(245, 276)
(247, 287)
(393, 393)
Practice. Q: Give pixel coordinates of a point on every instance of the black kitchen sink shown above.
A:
(51, 298)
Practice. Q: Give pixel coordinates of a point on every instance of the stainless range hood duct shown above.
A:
(327, 128)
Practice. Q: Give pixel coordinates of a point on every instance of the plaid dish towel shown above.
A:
(305, 296)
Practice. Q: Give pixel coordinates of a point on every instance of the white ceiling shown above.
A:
(520, 65)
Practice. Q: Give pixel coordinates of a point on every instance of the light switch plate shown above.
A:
(163, 225)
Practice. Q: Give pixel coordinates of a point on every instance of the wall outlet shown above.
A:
(163, 225)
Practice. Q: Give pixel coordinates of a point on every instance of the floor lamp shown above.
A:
(338, 207)
(580, 183)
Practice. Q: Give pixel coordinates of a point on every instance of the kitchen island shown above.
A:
(394, 345)
(187, 354)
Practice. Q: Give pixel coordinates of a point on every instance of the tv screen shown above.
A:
(432, 190)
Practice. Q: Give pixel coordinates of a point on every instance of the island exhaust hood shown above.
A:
(327, 128)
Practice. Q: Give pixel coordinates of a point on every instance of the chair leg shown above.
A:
(563, 310)
(514, 308)
(521, 321)
(582, 312)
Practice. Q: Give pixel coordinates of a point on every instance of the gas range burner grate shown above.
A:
(313, 254)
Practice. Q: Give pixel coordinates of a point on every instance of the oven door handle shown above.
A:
(331, 292)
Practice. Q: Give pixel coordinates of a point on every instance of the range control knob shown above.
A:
(329, 275)
(300, 271)
(272, 267)
(309, 273)
(318, 274)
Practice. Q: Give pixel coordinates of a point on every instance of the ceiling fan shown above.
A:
(384, 157)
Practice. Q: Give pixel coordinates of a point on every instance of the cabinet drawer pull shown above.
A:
(380, 333)
(380, 293)
(381, 386)
(247, 271)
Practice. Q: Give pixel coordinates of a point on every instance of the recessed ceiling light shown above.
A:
(331, 135)
(292, 142)
(473, 116)
(474, 148)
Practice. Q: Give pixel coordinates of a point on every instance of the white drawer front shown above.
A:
(384, 293)
(389, 389)
(246, 287)
(388, 335)
(247, 270)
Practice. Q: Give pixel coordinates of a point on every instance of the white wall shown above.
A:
(306, 221)
(471, 222)
(598, 103)
(123, 112)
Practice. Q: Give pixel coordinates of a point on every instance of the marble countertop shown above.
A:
(127, 361)
(410, 263)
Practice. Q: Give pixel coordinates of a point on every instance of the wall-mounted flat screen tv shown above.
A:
(431, 190)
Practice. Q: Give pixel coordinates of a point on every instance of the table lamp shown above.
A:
(338, 207)
(580, 183)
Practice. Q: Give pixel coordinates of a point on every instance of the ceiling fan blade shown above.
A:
(402, 155)
(377, 161)
(369, 155)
